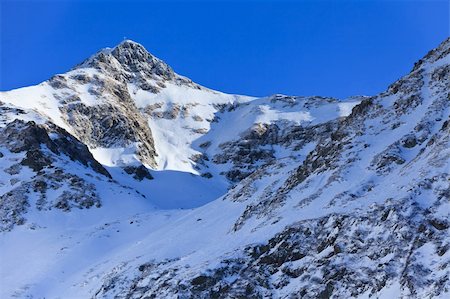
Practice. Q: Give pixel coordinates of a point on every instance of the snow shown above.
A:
(175, 136)
(173, 189)
(39, 98)
(182, 94)
(345, 108)
(177, 139)
(120, 156)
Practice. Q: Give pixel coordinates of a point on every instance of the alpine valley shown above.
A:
(123, 179)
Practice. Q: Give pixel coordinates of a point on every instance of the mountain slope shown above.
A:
(366, 213)
(133, 111)
(326, 198)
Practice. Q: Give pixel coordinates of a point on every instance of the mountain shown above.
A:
(123, 179)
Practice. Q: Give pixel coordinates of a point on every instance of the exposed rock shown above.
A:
(13, 205)
(264, 270)
(19, 136)
(139, 172)
(36, 160)
(409, 141)
(112, 126)
(58, 82)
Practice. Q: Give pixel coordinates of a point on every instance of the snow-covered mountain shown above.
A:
(123, 179)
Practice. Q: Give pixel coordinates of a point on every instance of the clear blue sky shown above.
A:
(331, 48)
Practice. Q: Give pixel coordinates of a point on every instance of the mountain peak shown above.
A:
(127, 42)
(129, 50)
(132, 58)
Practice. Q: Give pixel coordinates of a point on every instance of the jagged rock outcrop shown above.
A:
(319, 258)
(113, 124)
(36, 140)
(130, 62)
(115, 121)
(43, 148)
(255, 147)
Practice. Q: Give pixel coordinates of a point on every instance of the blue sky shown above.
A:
(331, 48)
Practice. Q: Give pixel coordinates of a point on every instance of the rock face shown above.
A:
(43, 148)
(130, 62)
(325, 198)
(33, 139)
(113, 125)
(256, 146)
(116, 121)
(317, 258)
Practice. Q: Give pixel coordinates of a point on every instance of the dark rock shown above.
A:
(205, 145)
(327, 292)
(36, 160)
(81, 78)
(410, 141)
(207, 175)
(439, 224)
(112, 126)
(58, 82)
(139, 172)
(19, 136)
